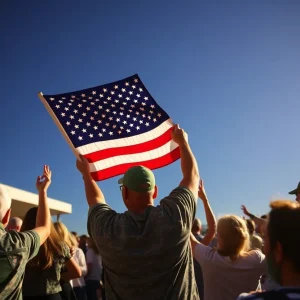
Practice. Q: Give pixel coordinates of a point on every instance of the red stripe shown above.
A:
(132, 149)
(151, 164)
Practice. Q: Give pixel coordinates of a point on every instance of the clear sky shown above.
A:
(227, 71)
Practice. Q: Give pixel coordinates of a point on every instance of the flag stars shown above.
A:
(110, 118)
(128, 116)
(134, 119)
(140, 89)
(159, 115)
(121, 114)
(116, 87)
(95, 112)
(71, 117)
(143, 103)
(124, 122)
(88, 108)
(79, 105)
(107, 110)
(90, 98)
(101, 95)
(141, 121)
(75, 111)
(72, 132)
(76, 126)
(99, 121)
(128, 130)
(131, 125)
(136, 80)
(138, 95)
(135, 101)
(63, 114)
(119, 132)
(107, 124)
(118, 119)
(68, 123)
(116, 101)
(114, 112)
(146, 98)
(84, 130)
(147, 124)
(92, 118)
(127, 83)
(82, 95)
(110, 133)
(154, 120)
(127, 98)
(112, 92)
(91, 135)
(130, 93)
(94, 92)
(88, 124)
(70, 104)
(51, 99)
(103, 130)
(80, 138)
(57, 106)
(95, 127)
(114, 126)
(100, 134)
(84, 114)
(133, 87)
(60, 101)
(108, 98)
(80, 120)
(120, 95)
(137, 127)
(104, 90)
(123, 90)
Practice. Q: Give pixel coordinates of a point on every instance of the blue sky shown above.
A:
(227, 71)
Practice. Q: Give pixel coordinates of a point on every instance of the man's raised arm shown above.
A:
(93, 193)
(189, 164)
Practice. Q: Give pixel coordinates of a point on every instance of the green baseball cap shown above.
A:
(296, 190)
(139, 179)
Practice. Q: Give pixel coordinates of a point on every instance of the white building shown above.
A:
(22, 201)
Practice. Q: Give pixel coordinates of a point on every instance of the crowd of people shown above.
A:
(150, 252)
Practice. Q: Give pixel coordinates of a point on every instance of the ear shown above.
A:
(278, 253)
(6, 217)
(155, 192)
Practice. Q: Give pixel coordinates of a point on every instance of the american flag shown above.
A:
(115, 126)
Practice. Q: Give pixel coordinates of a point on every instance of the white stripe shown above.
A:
(131, 158)
(133, 140)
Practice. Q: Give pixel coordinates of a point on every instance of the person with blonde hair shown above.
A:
(231, 268)
(67, 292)
(43, 273)
(78, 284)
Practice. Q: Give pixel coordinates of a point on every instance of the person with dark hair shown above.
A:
(43, 273)
(17, 248)
(256, 242)
(83, 243)
(146, 251)
(282, 248)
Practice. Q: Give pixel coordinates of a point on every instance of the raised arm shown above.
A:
(93, 193)
(258, 221)
(189, 164)
(43, 218)
(210, 218)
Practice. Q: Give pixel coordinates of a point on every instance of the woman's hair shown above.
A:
(92, 246)
(251, 226)
(233, 232)
(73, 240)
(63, 233)
(49, 249)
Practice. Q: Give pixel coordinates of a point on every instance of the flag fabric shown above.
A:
(115, 126)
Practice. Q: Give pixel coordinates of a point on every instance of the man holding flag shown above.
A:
(146, 250)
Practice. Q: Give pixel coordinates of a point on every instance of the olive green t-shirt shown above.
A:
(147, 256)
(16, 248)
(39, 282)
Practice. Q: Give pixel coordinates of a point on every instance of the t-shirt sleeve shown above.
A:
(181, 206)
(260, 259)
(201, 253)
(100, 217)
(29, 240)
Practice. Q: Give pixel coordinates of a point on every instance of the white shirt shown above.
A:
(226, 279)
(95, 260)
(80, 259)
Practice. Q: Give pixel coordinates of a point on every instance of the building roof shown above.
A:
(22, 201)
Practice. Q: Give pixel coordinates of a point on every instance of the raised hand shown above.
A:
(201, 191)
(44, 181)
(245, 210)
(82, 165)
(179, 136)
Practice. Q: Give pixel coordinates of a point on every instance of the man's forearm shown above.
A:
(258, 221)
(93, 193)
(189, 164)
(43, 218)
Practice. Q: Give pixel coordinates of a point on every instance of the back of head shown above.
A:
(138, 188)
(284, 228)
(233, 236)
(52, 246)
(63, 233)
(73, 240)
(14, 224)
(197, 226)
(251, 226)
(5, 203)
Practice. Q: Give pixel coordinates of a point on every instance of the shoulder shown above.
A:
(180, 195)
(204, 253)
(19, 240)
(256, 255)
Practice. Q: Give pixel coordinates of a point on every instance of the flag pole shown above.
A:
(61, 129)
